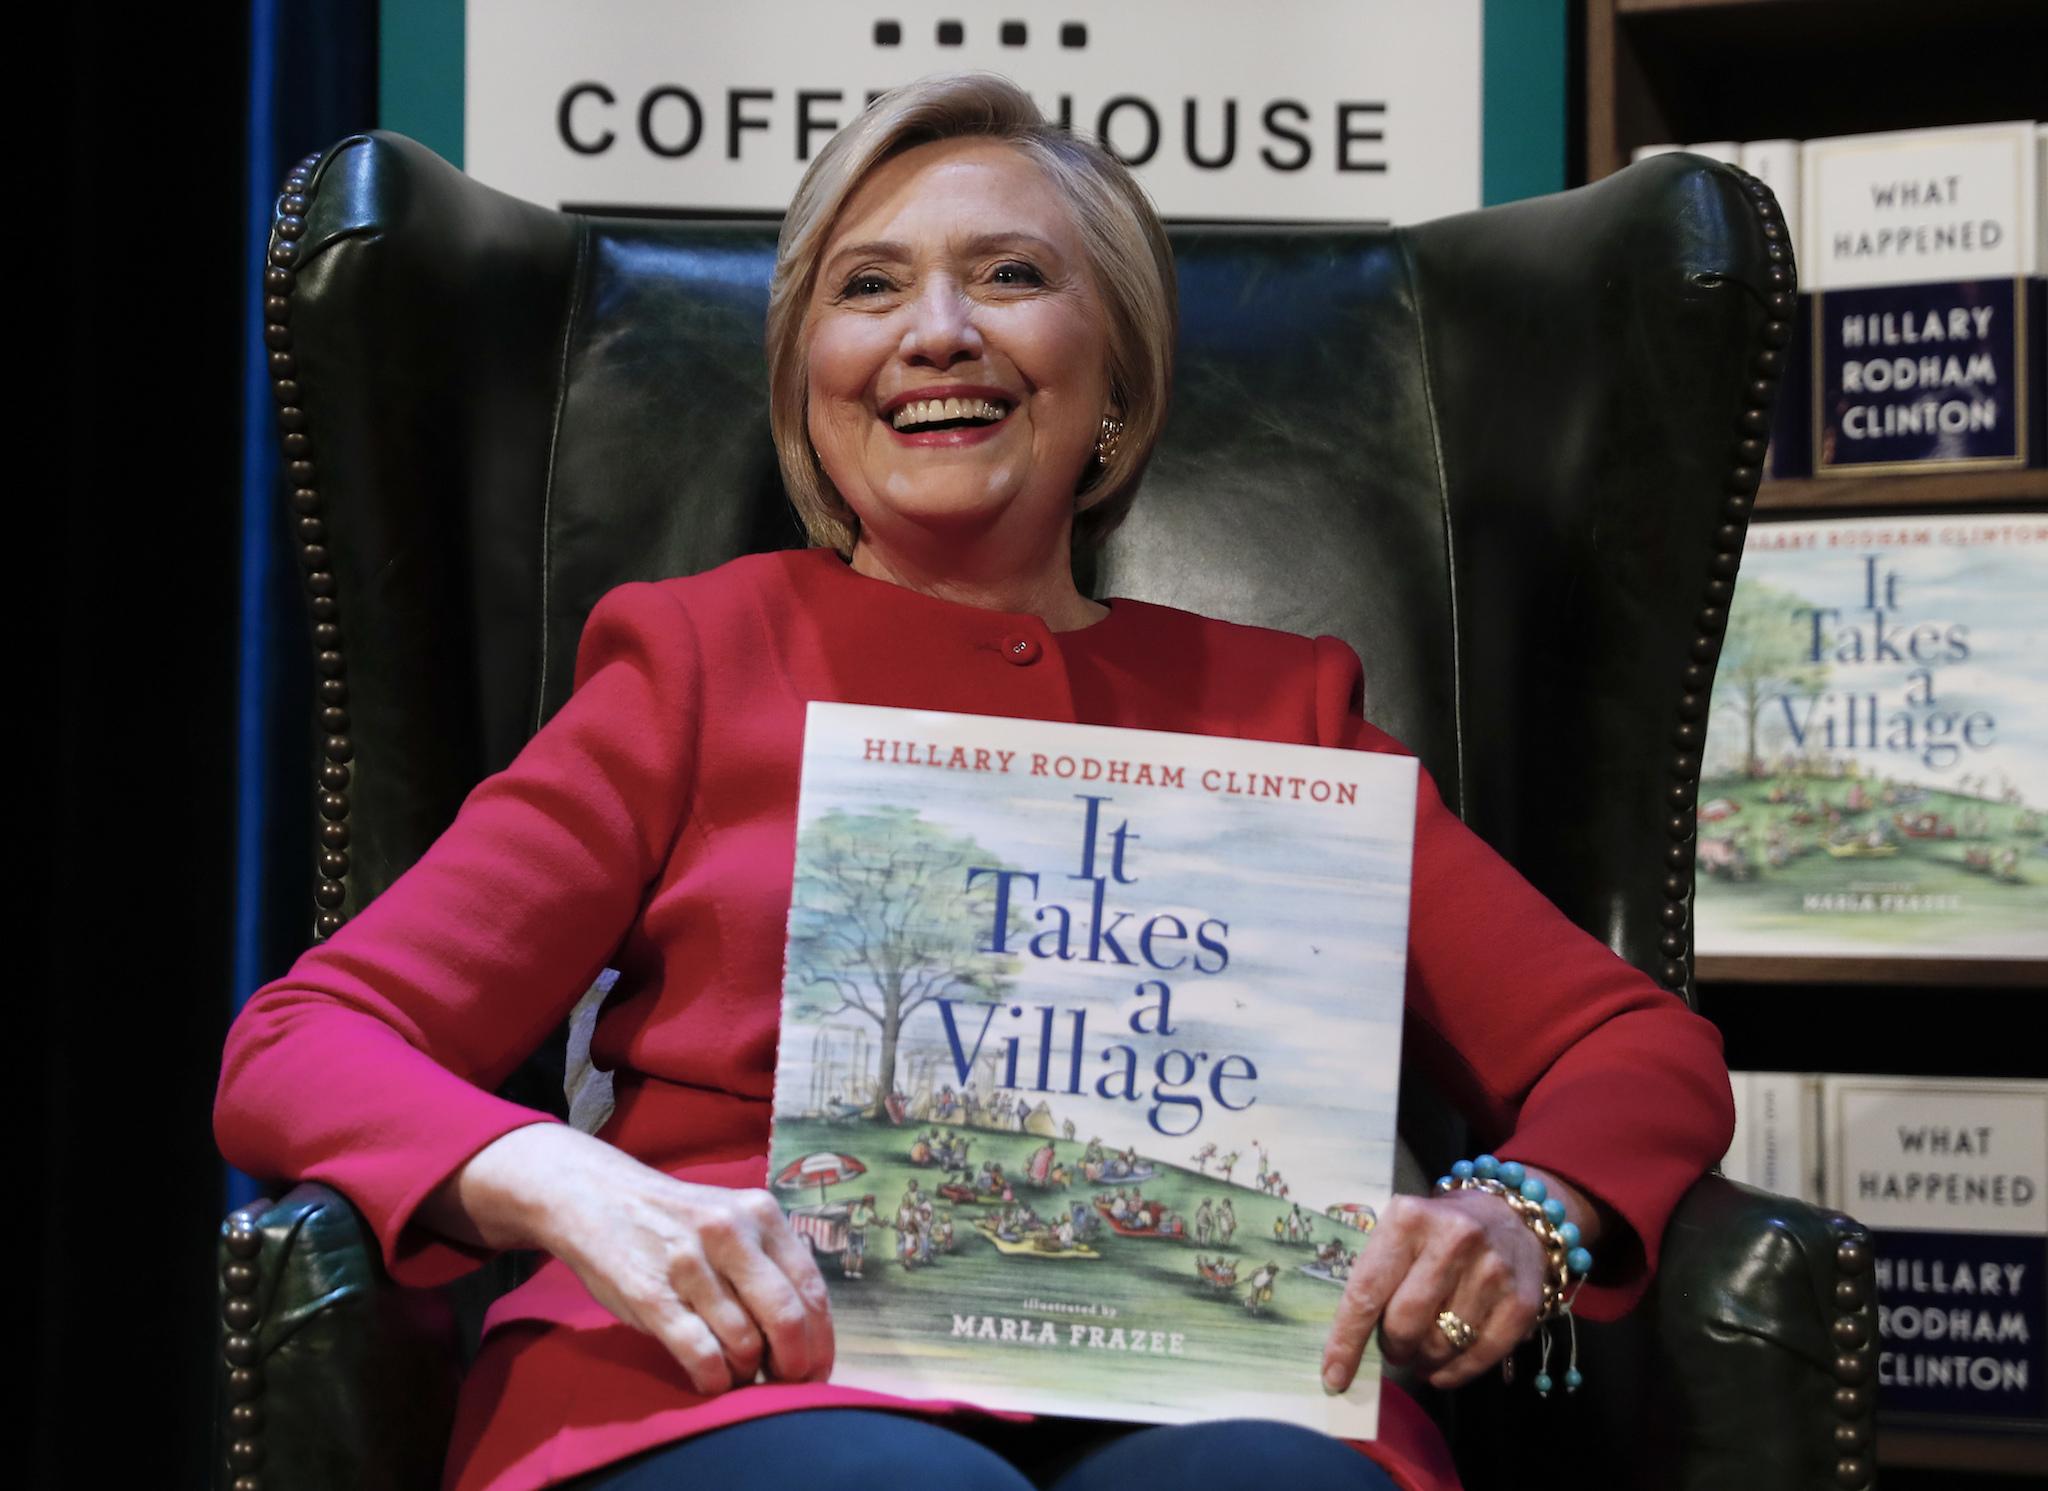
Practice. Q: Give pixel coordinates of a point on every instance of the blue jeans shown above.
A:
(847, 1449)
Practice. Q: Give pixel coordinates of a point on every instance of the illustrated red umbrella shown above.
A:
(825, 1168)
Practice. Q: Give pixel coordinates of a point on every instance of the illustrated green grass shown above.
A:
(1138, 1284)
(1773, 899)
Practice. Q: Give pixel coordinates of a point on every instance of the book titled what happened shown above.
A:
(1089, 1055)
(1917, 246)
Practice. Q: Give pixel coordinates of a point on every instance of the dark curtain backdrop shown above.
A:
(124, 537)
(312, 80)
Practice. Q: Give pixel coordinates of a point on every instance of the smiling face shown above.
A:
(957, 353)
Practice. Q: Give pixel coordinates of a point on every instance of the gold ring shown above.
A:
(1461, 1335)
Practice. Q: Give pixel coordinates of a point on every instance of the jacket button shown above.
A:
(1022, 651)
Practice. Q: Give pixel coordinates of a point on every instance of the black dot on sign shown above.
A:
(951, 33)
(1073, 34)
(888, 34)
(1012, 33)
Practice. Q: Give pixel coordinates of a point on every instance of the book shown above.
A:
(1917, 245)
(1776, 164)
(1777, 1134)
(1089, 1059)
(1875, 773)
(1951, 1176)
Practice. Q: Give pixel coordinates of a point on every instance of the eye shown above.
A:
(1016, 272)
(866, 282)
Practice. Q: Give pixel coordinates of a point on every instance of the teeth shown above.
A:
(932, 411)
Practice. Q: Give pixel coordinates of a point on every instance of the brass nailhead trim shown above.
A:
(1745, 470)
(331, 860)
(241, 1354)
(1852, 1332)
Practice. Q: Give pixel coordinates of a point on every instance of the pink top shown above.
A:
(651, 826)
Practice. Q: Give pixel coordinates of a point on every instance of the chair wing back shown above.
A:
(1508, 456)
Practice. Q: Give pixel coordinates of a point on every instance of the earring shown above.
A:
(1106, 442)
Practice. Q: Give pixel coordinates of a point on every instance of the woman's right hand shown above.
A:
(716, 1275)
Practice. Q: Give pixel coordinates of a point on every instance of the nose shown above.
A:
(941, 331)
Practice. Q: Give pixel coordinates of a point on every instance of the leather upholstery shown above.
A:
(1507, 455)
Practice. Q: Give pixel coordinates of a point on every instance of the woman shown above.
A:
(970, 346)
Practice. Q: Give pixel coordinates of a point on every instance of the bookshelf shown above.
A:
(1661, 71)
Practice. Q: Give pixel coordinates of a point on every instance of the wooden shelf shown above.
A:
(1980, 973)
(1938, 489)
(1640, 7)
(1995, 1454)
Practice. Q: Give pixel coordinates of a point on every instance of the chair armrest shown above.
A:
(1749, 1366)
(1764, 1364)
(335, 1379)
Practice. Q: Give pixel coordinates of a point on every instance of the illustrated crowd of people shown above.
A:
(923, 1231)
(1295, 1225)
(1217, 1225)
(1008, 1112)
(1132, 1212)
(940, 1148)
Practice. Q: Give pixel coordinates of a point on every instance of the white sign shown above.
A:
(1915, 207)
(1917, 1154)
(1316, 110)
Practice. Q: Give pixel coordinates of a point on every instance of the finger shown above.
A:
(1408, 1328)
(793, 1256)
(777, 1310)
(698, 1285)
(1381, 1265)
(1502, 1313)
(694, 1346)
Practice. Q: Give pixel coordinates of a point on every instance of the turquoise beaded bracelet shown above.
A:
(1568, 1260)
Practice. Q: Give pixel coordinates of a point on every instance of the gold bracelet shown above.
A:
(1566, 1261)
(1557, 1275)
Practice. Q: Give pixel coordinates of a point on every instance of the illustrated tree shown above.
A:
(1765, 655)
(882, 922)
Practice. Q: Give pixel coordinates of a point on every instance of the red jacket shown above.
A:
(651, 826)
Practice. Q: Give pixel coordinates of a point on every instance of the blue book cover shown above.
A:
(2037, 378)
(1924, 377)
(1086, 1092)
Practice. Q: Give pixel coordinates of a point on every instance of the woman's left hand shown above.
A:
(1466, 1252)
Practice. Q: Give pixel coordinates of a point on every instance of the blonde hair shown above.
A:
(1129, 256)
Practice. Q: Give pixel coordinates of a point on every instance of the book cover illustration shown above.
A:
(1876, 771)
(1090, 1045)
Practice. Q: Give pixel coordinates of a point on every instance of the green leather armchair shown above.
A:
(1509, 456)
